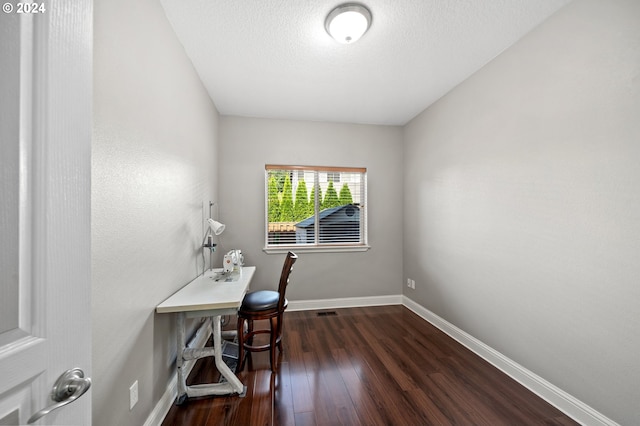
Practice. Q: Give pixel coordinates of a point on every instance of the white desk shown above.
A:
(207, 296)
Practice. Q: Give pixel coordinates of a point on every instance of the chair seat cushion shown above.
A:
(261, 300)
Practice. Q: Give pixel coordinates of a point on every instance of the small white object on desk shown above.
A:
(210, 295)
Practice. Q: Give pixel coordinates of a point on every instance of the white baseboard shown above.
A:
(564, 402)
(349, 302)
(163, 406)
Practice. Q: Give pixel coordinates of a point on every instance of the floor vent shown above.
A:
(327, 313)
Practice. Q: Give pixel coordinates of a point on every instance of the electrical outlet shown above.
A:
(413, 284)
(409, 282)
(133, 395)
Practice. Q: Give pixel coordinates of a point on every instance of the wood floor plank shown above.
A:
(457, 394)
(431, 413)
(262, 406)
(367, 366)
(508, 399)
(364, 405)
(386, 389)
(231, 409)
(386, 356)
(283, 398)
(305, 418)
(297, 373)
(301, 391)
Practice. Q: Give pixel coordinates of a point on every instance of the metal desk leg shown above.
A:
(223, 368)
(182, 345)
(233, 384)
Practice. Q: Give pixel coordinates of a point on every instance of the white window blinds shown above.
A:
(310, 206)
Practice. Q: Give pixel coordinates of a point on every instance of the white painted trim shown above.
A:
(316, 249)
(349, 302)
(163, 406)
(564, 402)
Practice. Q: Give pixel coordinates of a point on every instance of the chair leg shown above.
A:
(273, 336)
(280, 324)
(240, 329)
(250, 331)
(249, 341)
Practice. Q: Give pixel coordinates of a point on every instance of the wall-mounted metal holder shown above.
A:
(207, 242)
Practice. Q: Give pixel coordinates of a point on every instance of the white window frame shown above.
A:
(317, 246)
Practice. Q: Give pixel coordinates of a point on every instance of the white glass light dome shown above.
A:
(348, 22)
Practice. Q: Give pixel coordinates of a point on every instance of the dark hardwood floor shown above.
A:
(368, 366)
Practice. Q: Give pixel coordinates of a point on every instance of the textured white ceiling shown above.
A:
(274, 59)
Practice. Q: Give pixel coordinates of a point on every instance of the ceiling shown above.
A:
(274, 59)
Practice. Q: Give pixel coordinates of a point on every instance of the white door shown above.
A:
(45, 163)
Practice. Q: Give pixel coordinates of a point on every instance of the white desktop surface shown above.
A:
(205, 293)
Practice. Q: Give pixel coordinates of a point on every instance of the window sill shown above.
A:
(315, 249)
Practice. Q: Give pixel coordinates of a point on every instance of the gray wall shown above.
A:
(522, 208)
(247, 144)
(154, 164)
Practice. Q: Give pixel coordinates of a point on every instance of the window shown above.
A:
(315, 208)
(333, 177)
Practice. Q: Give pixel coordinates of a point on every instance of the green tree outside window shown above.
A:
(330, 197)
(286, 205)
(274, 200)
(345, 195)
(312, 199)
(301, 209)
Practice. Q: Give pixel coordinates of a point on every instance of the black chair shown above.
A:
(264, 305)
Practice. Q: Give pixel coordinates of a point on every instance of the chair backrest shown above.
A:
(284, 277)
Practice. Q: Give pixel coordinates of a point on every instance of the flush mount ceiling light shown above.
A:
(348, 22)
